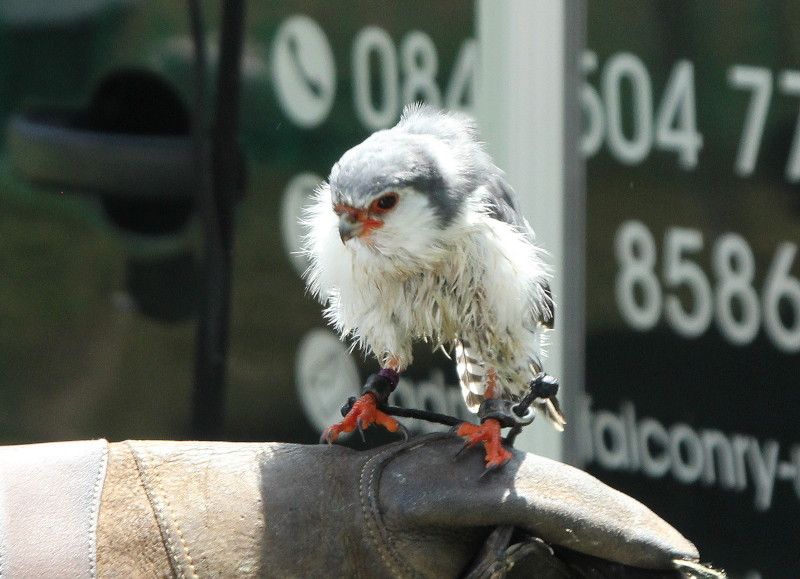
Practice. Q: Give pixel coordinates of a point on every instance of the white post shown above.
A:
(520, 109)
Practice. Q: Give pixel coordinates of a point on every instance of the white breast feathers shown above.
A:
(477, 279)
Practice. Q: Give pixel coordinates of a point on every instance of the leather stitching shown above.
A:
(163, 510)
(2, 554)
(374, 525)
(369, 493)
(95, 513)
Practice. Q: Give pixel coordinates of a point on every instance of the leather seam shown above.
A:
(387, 551)
(164, 510)
(96, 494)
(2, 551)
(2, 546)
(369, 492)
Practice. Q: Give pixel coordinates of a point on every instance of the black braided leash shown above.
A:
(510, 415)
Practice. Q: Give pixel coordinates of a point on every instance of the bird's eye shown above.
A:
(385, 203)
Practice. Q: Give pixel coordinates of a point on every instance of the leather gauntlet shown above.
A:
(219, 509)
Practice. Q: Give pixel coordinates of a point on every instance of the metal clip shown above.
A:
(503, 411)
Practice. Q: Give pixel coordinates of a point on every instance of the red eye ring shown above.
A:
(384, 203)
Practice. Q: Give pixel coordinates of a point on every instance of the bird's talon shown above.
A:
(328, 436)
(467, 444)
(489, 468)
(488, 432)
(403, 431)
(363, 413)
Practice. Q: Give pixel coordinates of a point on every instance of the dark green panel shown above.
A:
(693, 282)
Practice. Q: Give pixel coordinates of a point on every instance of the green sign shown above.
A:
(693, 285)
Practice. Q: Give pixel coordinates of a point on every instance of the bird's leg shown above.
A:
(487, 432)
(495, 413)
(360, 413)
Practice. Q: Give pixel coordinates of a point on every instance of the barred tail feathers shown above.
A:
(472, 378)
(471, 375)
(551, 410)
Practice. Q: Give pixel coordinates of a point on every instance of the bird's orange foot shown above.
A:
(363, 414)
(488, 432)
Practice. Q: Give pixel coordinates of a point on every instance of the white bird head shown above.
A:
(401, 188)
(390, 192)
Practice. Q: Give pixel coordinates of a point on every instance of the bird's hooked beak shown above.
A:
(354, 222)
(349, 227)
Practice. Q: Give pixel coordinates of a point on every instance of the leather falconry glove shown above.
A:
(410, 509)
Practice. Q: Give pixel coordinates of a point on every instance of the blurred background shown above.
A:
(103, 246)
(155, 157)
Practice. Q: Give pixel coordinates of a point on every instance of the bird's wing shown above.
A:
(501, 200)
(549, 319)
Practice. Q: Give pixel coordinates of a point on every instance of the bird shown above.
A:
(417, 236)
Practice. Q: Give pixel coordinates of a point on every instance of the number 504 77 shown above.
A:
(690, 300)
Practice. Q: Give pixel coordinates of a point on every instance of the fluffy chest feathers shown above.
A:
(479, 279)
